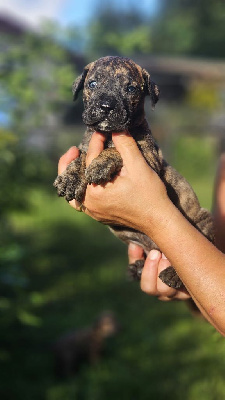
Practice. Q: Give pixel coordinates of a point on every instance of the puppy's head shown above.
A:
(114, 89)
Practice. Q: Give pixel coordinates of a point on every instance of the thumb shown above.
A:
(67, 158)
(127, 147)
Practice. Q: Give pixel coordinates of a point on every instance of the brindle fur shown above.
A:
(113, 103)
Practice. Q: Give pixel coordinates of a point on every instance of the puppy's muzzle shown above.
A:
(106, 113)
(107, 103)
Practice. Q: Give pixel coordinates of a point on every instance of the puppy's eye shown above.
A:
(131, 89)
(92, 84)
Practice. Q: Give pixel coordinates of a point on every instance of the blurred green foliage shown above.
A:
(35, 79)
(59, 269)
(193, 28)
(118, 33)
(36, 76)
(204, 96)
(74, 269)
(195, 158)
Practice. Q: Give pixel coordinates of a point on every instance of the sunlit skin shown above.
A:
(137, 198)
(219, 204)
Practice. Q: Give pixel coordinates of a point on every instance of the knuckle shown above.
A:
(94, 191)
(93, 197)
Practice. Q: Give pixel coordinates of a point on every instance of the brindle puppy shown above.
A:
(114, 90)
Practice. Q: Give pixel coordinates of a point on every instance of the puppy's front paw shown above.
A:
(65, 185)
(103, 169)
(135, 270)
(70, 187)
(170, 278)
(71, 184)
(98, 173)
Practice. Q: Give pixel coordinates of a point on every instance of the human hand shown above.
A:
(150, 281)
(134, 197)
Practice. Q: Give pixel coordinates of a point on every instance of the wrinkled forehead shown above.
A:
(117, 68)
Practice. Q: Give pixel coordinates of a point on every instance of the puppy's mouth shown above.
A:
(113, 121)
(107, 126)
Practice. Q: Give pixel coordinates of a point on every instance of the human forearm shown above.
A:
(198, 263)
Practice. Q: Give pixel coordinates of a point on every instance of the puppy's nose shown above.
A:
(107, 103)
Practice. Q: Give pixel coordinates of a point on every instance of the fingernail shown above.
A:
(154, 254)
(164, 257)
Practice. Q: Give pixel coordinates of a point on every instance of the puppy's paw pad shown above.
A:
(170, 278)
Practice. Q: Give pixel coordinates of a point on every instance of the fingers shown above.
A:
(152, 284)
(135, 252)
(96, 146)
(66, 159)
(150, 273)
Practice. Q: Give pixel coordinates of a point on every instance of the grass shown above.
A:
(194, 158)
(75, 268)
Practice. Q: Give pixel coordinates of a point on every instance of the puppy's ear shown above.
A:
(78, 84)
(151, 88)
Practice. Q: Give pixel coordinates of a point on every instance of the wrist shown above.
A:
(158, 220)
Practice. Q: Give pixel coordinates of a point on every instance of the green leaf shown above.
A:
(29, 319)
